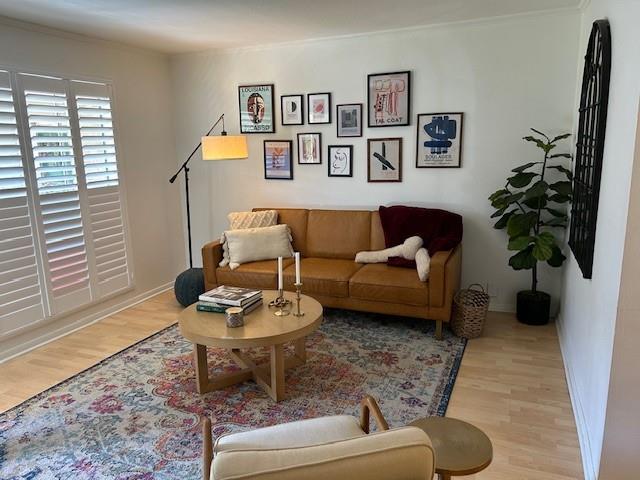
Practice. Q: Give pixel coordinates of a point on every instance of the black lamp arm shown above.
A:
(184, 165)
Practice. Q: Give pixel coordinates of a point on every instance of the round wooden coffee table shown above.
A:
(261, 329)
(460, 448)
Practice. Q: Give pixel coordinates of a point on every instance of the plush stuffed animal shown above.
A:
(409, 250)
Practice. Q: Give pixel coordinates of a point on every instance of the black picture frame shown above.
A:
(330, 162)
(319, 149)
(282, 110)
(247, 125)
(457, 144)
(339, 120)
(289, 145)
(370, 142)
(388, 120)
(310, 110)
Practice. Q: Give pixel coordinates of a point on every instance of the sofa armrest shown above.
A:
(211, 257)
(444, 276)
(404, 454)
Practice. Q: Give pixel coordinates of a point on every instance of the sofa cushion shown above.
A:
(382, 283)
(323, 276)
(261, 275)
(338, 233)
(296, 219)
(256, 244)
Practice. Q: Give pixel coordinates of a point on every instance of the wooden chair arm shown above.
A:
(369, 406)
(207, 448)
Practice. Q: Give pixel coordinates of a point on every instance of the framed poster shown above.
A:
(291, 109)
(257, 113)
(389, 97)
(278, 161)
(319, 108)
(349, 120)
(340, 160)
(439, 140)
(384, 160)
(310, 148)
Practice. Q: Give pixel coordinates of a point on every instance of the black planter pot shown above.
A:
(533, 307)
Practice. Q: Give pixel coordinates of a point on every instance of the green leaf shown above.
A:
(498, 193)
(539, 143)
(522, 168)
(523, 260)
(520, 243)
(535, 203)
(540, 133)
(498, 213)
(557, 198)
(562, 169)
(561, 137)
(500, 224)
(521, 179)
(563, 188)
(521, 224)
(556, 213)
(545, 238)
(537, 190)
(557, 258)
(563, 155)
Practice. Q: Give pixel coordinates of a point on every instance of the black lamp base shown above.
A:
(189, 286)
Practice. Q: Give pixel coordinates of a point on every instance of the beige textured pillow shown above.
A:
(241, 220)
(253, 244)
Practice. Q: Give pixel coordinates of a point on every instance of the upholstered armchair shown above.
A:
(337, 447)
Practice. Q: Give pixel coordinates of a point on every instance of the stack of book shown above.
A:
(223, 297)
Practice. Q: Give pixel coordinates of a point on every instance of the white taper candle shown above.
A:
(279, 273)
(297, 267)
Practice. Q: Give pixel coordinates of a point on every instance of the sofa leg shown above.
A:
(439, 329)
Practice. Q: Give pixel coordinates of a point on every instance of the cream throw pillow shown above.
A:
(253, 244)
(241, 220)
(423, 264)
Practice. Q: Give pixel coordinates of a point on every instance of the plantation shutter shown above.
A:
(103, 186)
(53, 160)
(21, 300)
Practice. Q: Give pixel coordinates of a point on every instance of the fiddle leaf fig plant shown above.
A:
(528, 207)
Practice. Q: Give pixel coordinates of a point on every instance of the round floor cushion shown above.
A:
(189, 286)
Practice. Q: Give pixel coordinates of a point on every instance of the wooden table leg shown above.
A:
(202, 373)
(301, 349)
(277, 372)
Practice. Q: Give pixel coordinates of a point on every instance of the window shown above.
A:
(63, 241)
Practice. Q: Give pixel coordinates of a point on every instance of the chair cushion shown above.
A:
(262, 275)
(304, 433)
(382, 283)
(323, 276)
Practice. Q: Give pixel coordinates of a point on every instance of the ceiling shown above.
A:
(175, 26)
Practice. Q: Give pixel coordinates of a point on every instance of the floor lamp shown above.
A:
(190, 283)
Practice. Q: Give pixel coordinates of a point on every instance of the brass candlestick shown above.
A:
(280, 303)
(298, 313)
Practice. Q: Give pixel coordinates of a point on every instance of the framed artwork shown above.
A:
(389, 97)
(291, 109)
(257, 114)
(319, 108)
(384, 160)
(278, 160)
(340, 160)
(310, 148)
(439, 140)
(349, 120)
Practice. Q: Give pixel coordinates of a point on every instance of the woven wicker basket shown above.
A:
(470, 308)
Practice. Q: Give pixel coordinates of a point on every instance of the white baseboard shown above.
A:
(588, 467)
(502, 307)
(61, 330)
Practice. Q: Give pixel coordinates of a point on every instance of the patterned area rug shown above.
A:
(135, 415)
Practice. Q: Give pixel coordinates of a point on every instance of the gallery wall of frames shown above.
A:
(438, 136)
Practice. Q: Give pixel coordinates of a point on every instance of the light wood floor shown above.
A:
(511, 384)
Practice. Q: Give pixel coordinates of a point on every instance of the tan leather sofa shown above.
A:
(328, 241)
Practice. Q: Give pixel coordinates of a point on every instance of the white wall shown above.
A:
(506, 75)
(588, 308)
(146, 155)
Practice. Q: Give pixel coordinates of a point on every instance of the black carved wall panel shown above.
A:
(590, 145)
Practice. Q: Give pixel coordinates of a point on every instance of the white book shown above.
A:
(232, 296)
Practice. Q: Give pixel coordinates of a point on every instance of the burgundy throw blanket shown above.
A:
(440, 230)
